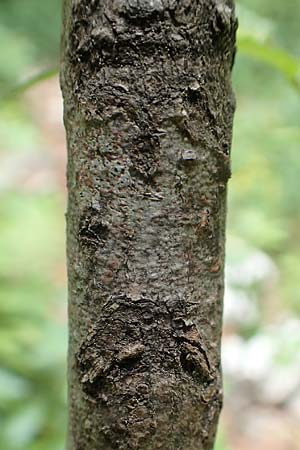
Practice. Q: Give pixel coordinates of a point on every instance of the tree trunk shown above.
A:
(148, 114)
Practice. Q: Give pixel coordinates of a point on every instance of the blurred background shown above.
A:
(261, 345)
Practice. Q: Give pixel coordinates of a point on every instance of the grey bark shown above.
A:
(148, 113)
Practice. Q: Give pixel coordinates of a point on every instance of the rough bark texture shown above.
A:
(148, 113)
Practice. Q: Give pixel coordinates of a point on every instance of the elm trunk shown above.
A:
(148, 113)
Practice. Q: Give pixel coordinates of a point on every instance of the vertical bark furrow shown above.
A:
(148, 114)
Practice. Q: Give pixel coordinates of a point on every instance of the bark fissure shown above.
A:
(148, 114)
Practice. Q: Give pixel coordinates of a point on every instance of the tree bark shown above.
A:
(148, 110)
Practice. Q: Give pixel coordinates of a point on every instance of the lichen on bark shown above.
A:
(148, 113)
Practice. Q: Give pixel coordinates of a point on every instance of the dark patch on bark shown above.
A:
(92, 231)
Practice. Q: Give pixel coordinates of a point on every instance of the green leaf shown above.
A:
(277, 58)
(29, 83)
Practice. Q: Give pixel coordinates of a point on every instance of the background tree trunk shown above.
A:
(148, 114)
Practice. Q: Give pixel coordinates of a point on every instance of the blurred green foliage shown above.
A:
(264, 207)
(32, 332)
(29, 36)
